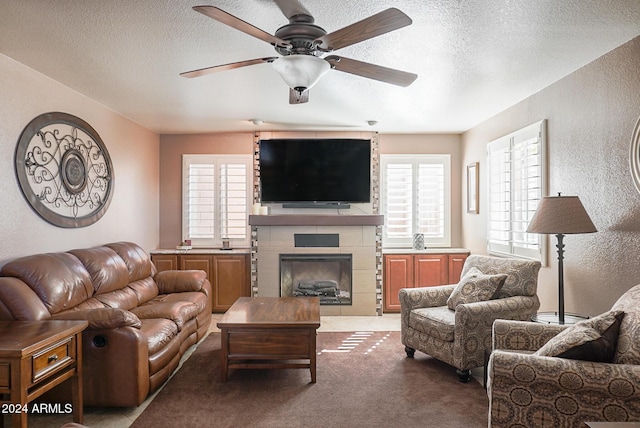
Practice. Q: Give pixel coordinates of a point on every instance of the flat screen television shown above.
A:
(315, 171)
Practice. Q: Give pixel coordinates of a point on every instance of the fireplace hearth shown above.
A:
(326, 276)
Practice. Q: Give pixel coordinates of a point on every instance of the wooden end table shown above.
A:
(269, 333)
(35, 357)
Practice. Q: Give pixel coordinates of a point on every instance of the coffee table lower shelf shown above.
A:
(281, 348)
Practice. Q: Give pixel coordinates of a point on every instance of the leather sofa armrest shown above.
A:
(179, 281)
(101, 318)
(523, 335)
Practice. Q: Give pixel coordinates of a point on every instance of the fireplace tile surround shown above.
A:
(360, 241)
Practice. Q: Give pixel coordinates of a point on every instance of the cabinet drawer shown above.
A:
(51, 359)
(5, 378)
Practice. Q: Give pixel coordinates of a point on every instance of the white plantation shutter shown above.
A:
(431, 201)
(216, 191)
(517, 182)
(398, 210)
(416, 199)
(201, 201)
(233, 200)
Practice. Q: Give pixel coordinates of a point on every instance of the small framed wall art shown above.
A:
(473, 190)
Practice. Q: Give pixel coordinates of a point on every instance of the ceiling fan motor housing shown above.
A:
(301, 35)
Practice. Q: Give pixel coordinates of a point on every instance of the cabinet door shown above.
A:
(165, 261)
(198, 262)
(430, 270)
(398, 273)
(456, 262)
(230, 280)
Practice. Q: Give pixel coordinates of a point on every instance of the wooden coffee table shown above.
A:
(270, 333)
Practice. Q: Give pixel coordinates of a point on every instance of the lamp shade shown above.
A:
(561, 214)
(300, 72)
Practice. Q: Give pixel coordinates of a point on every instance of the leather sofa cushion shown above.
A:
(59, 279)
(179, 312)
(437, 321)
(158, 332)
(108, 271)
(137, 260)
(125, 298)
(145, 289)
(19, 302)
(178, 281)
(196, 297)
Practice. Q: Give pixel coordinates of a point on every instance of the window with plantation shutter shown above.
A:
(216, 197)
(415, 198)
(517, 183)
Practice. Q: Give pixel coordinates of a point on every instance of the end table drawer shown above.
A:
(52, 358)
(5, 378)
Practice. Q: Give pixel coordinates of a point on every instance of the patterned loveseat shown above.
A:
(460, 336)
(529, 390)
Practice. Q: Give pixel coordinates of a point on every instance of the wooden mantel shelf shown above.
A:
(316, 220)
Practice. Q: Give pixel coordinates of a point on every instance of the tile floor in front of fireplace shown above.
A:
(123, 418)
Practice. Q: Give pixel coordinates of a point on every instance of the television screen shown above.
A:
(315, 170)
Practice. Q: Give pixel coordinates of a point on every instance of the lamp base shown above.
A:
(553, 318)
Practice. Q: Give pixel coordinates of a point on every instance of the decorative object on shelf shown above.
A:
(634, 155)
(64, 170)
(418, 241)
(473, 190)
(226, 244)
(184, 245)
(561, 215)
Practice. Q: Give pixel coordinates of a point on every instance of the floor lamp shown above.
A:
(561, 215)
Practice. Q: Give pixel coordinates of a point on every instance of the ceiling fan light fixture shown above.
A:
(300, 72)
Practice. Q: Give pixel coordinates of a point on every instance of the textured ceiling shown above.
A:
(474, 58)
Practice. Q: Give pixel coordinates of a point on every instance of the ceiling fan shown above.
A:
(302, 44)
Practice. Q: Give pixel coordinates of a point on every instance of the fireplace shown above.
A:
(327, 276)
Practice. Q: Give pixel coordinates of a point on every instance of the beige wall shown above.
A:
(434, 144)
(591, 114)
(133, 213)
(172, 147)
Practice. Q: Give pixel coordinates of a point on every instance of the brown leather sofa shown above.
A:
(140, 321)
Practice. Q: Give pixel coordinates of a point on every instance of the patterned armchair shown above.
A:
(460, 336)
(530, 390)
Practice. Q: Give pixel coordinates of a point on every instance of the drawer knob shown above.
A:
(52, 358)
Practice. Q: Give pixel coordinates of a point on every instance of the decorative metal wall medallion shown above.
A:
(634, 155)
(64, 170)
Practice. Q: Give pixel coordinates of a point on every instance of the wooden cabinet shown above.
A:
(228, 273)
(165, 261)
(418, 270)
(230, 280)
(398, 273)
(430, 270)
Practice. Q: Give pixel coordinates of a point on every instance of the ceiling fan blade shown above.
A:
(223, 67)
(373, 26)
(237, 23)
(371, 71)
(296, 97)
(291, 8)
